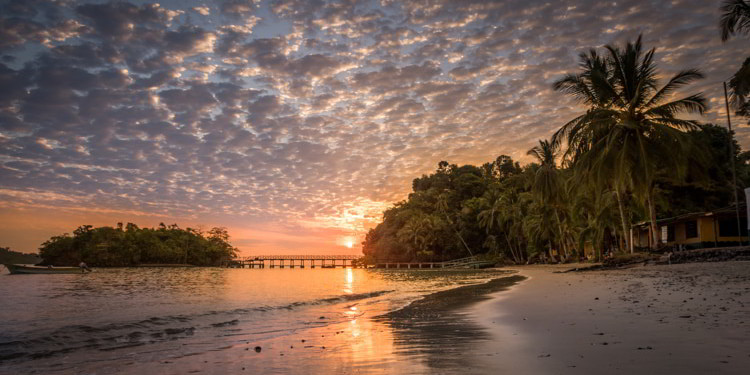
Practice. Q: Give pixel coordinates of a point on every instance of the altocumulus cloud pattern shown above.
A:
(300, 119)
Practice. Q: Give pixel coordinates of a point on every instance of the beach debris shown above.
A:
(322, 347)
(645, 348)
(303, 340)
(684, 316)
(544, 355)
(322, 317)
(258, 349)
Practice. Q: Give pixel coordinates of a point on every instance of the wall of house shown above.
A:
(640, 237)
(706, 230)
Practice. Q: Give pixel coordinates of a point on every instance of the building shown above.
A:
(696, 230)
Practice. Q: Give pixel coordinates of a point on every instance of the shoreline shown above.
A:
(691, 318)
(436, 304)
(651, 319)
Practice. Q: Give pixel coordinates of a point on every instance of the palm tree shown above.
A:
(739, 86)
(594, 86)
(736, 20)
(443, 205)
(594, 211)
(494, 218)
(547, 182)
(630, 130)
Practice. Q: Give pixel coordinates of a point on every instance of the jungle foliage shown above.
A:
(131, 246)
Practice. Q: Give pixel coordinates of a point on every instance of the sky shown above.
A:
(294, 124)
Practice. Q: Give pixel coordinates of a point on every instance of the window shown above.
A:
(691, 229)
(728, 227)
(670, 233)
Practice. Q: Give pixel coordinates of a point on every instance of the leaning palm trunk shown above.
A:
(457, 233)
(515, 257)
(652, 216)
(562, 236)
(623, 221)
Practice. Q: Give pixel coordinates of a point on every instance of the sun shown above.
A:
(349, 243)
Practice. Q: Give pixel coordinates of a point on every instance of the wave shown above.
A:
(113, 336)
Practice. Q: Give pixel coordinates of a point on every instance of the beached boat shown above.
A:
(28, 269)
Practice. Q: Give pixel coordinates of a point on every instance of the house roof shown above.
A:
(692, 215)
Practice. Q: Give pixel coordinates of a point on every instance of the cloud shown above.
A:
(298, 118)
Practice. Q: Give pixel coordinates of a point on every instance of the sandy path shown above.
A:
(678, 319)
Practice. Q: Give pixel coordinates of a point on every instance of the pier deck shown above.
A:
(292, 261)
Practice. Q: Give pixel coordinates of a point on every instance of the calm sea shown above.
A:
(128, 320)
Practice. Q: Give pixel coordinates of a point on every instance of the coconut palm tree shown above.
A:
(735, 19)
(739, 87)
(594, 210)
(495, 218)
(443, 206)
(631, 130)
(594, 86)
(547, 182)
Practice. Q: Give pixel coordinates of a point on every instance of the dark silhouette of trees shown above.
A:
(131, 246)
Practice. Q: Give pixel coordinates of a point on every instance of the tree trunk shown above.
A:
(515, 258)
(652, 216)
(457, 233)
(625, 231)
(562, 236)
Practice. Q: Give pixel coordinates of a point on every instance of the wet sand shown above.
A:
(677, 319)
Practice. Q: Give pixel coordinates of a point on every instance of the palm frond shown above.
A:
(680, 79)
(691, 104)
(735, 18)
(739, 85)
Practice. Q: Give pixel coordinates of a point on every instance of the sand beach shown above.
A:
(667, 319)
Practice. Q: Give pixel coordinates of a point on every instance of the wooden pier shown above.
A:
(294, 261)
(470, 262)
(345, 261)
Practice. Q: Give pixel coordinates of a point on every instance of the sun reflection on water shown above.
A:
(349, 281)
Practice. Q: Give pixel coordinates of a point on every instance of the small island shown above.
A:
(129, 245)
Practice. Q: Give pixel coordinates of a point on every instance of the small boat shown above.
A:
(16, 269)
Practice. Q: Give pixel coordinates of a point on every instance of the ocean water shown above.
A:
(116, 320)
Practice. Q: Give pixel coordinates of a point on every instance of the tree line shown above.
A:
(130, 245)
(629, 157)
(14, 257)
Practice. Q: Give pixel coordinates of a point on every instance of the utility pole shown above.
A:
(734, 168)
